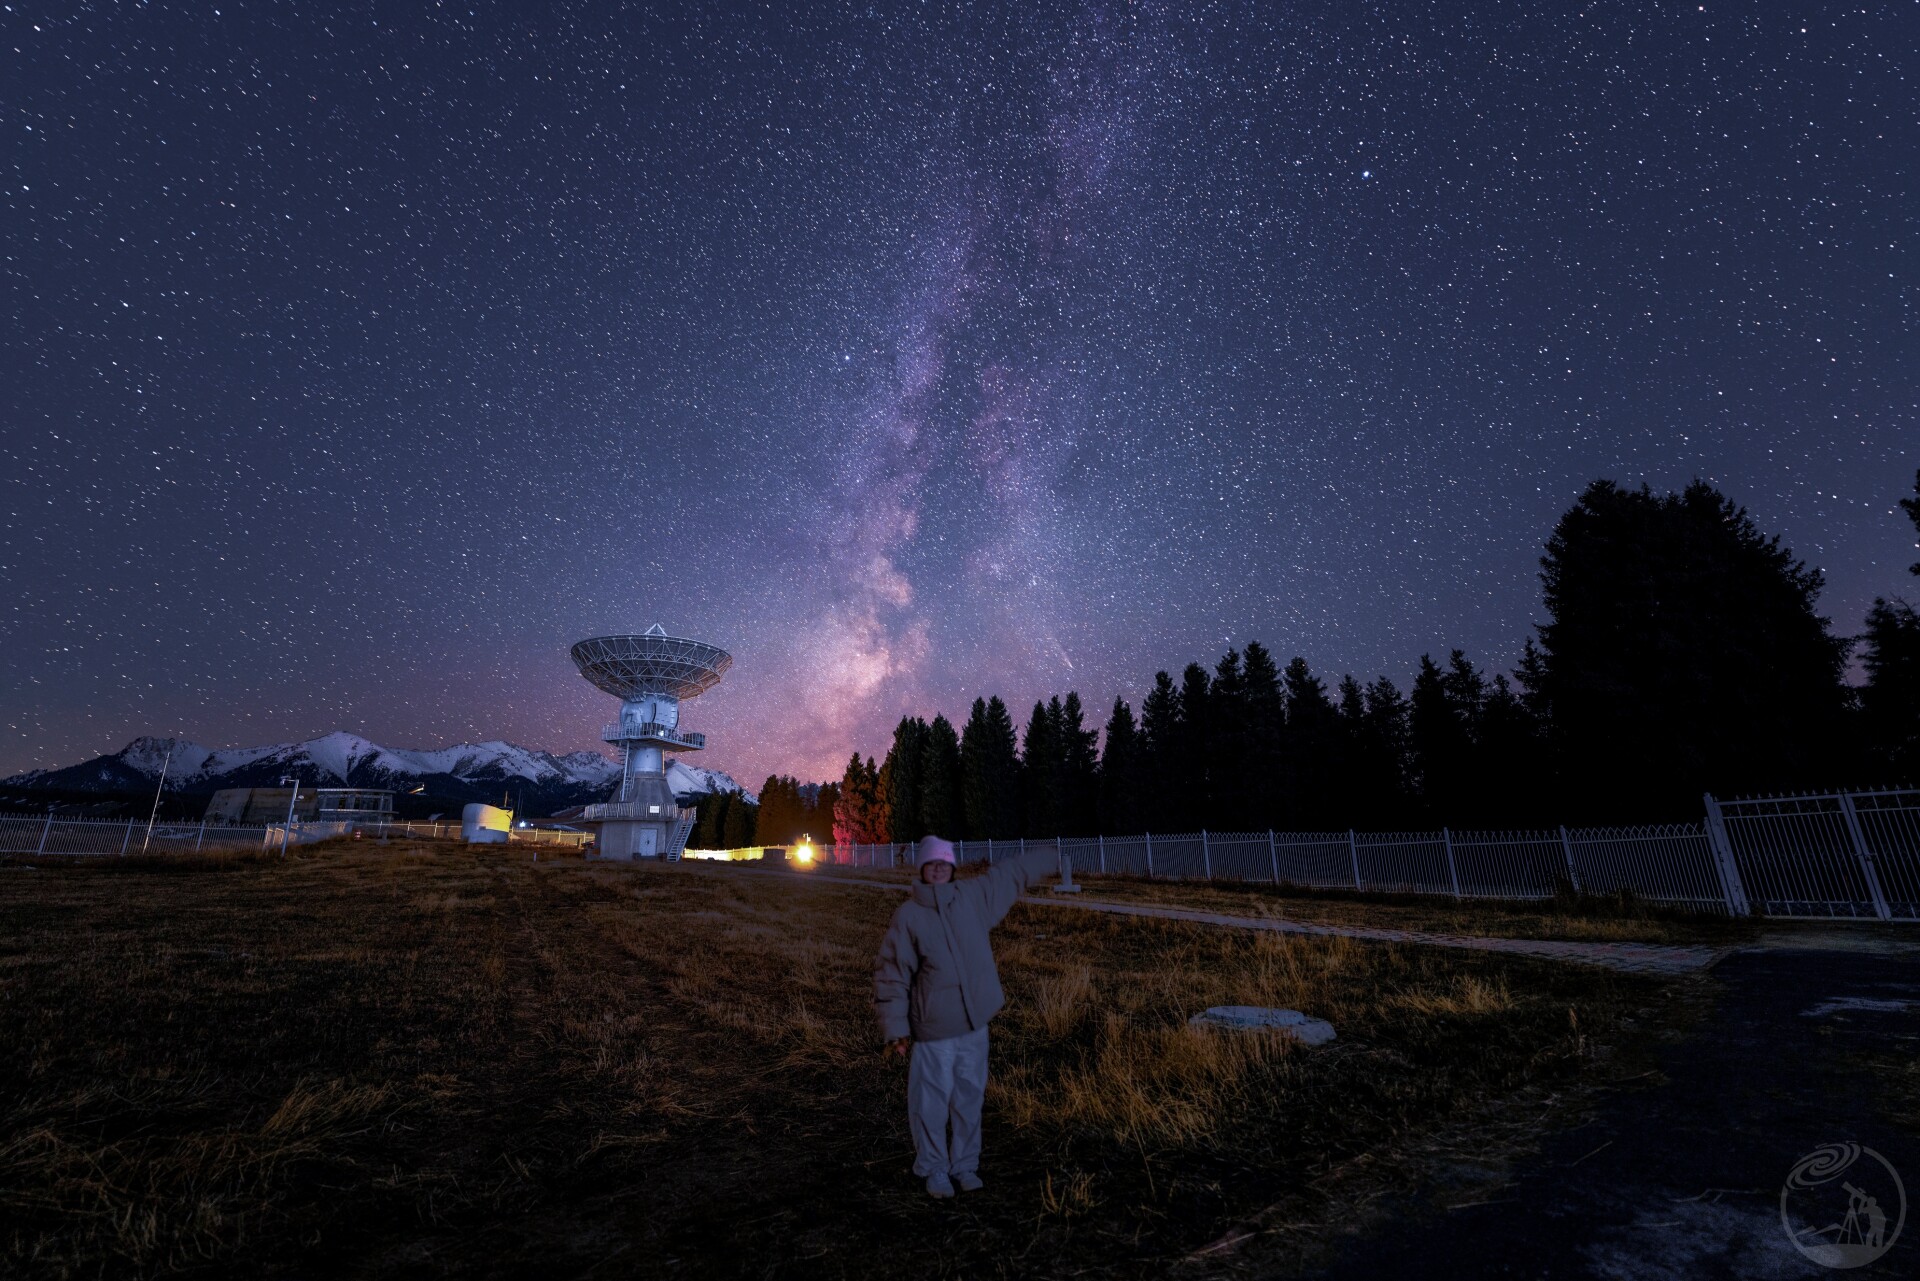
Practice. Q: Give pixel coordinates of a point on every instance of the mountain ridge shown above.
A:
(458, 772)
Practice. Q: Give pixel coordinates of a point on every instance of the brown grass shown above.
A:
(403, 1063)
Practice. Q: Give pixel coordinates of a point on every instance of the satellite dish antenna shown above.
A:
(651, 674)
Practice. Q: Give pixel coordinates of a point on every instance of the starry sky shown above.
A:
(359, 358)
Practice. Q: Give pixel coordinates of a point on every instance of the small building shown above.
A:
(352, 805)
(486, 825)
(248, 806)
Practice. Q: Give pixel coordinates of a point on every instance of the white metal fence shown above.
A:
(1827, 855)
(1841, 855)
(47, 835)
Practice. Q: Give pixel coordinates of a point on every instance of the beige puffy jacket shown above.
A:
(935, 977)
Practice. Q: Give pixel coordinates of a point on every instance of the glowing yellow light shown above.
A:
(804, 852)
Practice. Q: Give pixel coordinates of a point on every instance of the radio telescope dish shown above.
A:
(629, 667)
(649, 674)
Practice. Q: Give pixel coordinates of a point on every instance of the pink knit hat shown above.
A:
(933, 850)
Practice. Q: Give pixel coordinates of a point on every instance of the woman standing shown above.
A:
(934, 989)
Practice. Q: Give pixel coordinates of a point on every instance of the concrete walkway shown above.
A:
(1638, 958)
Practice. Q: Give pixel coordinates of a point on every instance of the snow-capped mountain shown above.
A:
(538, 781)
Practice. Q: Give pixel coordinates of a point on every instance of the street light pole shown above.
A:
(286, 834)
(158, 788)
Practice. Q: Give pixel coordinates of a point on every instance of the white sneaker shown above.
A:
(938, 1185)
(968, 1182)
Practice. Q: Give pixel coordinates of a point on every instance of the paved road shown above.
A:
(1683, 1179)
(1644, 958)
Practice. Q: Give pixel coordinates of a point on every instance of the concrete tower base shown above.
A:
(629, 841)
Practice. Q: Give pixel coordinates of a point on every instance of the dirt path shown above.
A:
(1638, 958)
(1682, 1179)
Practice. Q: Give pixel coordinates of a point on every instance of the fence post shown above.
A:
(200, 839)
(1206, 859)
(1103, 854)
(128, 840)
(1566, 847)
(1353, 852)
(1023, 850)
(1066, 885)
(1149, 856)
(1453, 873)
(44, 833)
(1880, 907)
(1273, 854)
(1730, 887)
(989, 851)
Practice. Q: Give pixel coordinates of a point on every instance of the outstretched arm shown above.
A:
(1007, 881)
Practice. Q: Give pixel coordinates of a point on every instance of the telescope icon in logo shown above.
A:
(1847, 1233)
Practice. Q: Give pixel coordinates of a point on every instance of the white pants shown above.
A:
(946, 1081)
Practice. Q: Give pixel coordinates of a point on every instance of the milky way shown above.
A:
(361, 358)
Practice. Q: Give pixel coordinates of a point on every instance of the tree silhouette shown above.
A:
(990, 772)
(1040, 772)
(1890, 700)
(1384, 759)
(1123, 778)
(1079, 770)
(940, 810)
(1266, 789)
(1682, 653)
(901, 781)
(1311, 747)
(1911, 506)
(1160, 753)
(861, 816)
(1193, 738)
(737, 828)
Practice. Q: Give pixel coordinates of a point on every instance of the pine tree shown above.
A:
(1890, 700)
(738, 824)
(1911, 506)
(1122, 775)
(974, 799)
(1040, 763)
(1194, 733)
(1473, 788)
(1513, 786)
(779, 815)
(1386, 759)
(880, 811)
(825, 804)
(1350, 734)
(706, 826)
(1683, 653)
(1312, 742)
(940, 779)
(861, 816)
(1439, 741)
(989, 766)
(1164, 809)
(1227, 749)
(1264, 715)
(902, 780)
(1079, 770)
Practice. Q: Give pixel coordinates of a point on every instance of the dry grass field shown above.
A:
(402, 1062)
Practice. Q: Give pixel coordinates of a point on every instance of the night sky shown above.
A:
(359, 358)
